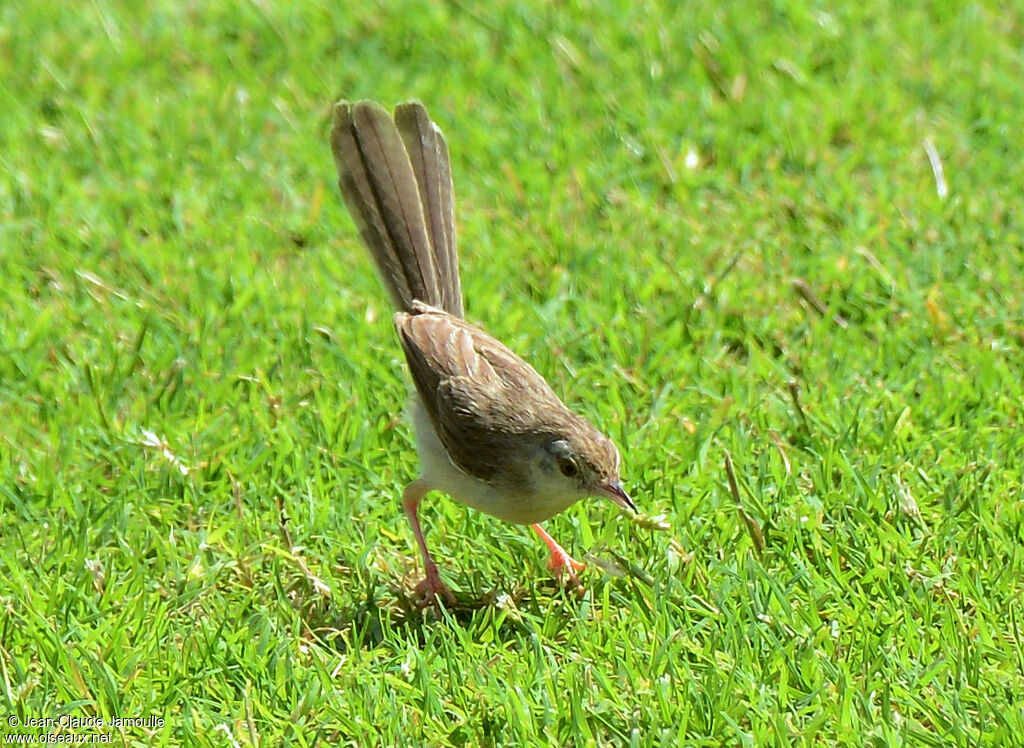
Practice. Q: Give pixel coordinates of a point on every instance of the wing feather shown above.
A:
(476, 391)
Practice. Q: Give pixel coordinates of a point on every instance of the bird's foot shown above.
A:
(562, 563)
(427, 591)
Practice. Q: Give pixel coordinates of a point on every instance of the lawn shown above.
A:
(784, 237)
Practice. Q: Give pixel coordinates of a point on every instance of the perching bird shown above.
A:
(489, 430)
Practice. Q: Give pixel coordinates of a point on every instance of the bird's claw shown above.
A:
(427, 591)
(562, 563)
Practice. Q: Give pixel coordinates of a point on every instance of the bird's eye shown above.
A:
(568, 467)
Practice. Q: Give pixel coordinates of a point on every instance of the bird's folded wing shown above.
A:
(477, 392)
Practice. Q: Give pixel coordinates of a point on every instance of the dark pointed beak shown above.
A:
(613, 490)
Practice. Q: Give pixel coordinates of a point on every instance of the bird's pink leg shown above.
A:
(431, 586)
(560, 561)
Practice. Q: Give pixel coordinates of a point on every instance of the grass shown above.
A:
(717, 230)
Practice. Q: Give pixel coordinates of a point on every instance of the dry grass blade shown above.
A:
(753, 526)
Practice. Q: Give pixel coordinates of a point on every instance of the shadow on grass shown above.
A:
(371, 620)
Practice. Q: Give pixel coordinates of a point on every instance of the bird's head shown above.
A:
(582, 461)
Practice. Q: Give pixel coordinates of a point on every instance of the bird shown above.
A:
(489, 430)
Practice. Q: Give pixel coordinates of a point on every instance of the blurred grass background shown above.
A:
(788, 232)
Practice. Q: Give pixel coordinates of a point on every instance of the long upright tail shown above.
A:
(396, 179)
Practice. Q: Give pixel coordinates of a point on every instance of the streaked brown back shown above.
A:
(480, 395)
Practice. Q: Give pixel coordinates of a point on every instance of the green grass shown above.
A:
(200, 391)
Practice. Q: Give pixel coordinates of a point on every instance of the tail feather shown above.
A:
(428, 153)
(396, 181)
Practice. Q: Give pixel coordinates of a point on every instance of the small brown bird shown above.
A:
(489, 430)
